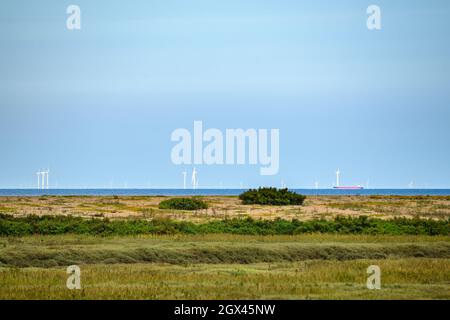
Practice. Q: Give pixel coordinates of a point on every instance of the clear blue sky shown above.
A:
(97, 106)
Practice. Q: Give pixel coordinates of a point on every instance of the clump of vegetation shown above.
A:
(48, 225)
(183, 204)
(272, 196)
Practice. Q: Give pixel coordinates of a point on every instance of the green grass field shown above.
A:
(52, 251)
(225, 267)
(417, 278)
(127, 248)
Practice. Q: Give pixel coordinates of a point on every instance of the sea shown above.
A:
(214, 192)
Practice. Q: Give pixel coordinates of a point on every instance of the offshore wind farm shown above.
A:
(214, 191)
(192, 189)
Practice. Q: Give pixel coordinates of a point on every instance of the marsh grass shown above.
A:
(416, 278)
(129, 252)
(51, 251)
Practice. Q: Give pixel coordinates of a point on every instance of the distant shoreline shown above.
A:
(216, 192)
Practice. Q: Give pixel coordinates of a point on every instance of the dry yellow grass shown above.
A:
(227, 207)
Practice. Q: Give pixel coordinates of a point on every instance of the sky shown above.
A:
(97, 106)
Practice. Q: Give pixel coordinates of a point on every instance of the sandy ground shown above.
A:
(227, 207)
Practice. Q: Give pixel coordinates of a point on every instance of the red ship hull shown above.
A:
(350, 188)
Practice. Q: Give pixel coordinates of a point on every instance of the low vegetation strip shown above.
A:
(54, 225)
(412, 278)
(22, 255)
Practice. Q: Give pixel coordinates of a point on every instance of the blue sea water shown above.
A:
(208, 192)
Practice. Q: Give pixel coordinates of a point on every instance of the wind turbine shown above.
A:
(194, 179)
(337, 177)
(184, 179)
(42, 179)
(39, 182)
(46, 173)
(316, 185)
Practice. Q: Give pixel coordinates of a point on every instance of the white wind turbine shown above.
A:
(38, 177)
(194, 179)
(184, 179)
(337, 177)
(43, 173)
(46, 173)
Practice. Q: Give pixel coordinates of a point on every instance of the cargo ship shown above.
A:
(349, 187)
(337, 186)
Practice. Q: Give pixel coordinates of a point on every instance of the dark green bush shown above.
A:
(183, 204)
(272, 196)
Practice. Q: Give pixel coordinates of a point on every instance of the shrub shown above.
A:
(183, 204)
(45, 225)
(272, 196)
